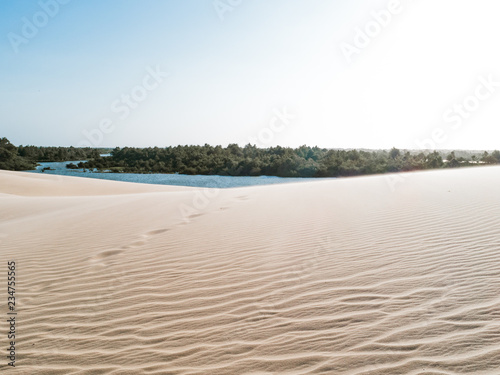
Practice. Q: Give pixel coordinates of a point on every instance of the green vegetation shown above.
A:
(24, 158)
(278, 161)
(46, 154)
(9, 158)
(234, 160)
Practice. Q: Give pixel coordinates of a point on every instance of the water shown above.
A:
(59, 168)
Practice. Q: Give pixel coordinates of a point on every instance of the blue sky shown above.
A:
(231, 73)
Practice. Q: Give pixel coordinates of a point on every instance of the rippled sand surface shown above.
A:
(361, 276)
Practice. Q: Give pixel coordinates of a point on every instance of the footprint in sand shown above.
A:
(109, 253)
(103, 256)
(155, 232)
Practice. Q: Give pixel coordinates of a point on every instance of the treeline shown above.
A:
(10, 160)
(276, 161)
(234, 160)
(47, 154)
(26, 157)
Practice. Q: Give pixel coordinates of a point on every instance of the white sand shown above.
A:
(334, 277)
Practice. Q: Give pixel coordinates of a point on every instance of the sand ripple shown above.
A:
(339, 277)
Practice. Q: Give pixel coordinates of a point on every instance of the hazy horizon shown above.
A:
(279, 145)
(336, 74)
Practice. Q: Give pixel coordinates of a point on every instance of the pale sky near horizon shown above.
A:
(428, 71)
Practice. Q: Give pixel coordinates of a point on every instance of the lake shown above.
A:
(59, 168)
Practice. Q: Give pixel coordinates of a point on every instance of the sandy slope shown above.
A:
(36, 184)
(353, 276)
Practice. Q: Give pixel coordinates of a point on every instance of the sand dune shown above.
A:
(358, 276)
(36, 184)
